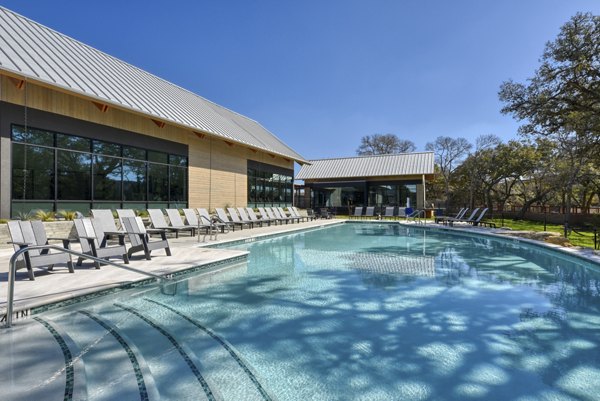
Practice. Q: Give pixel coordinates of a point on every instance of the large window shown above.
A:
(269, 185)
(54, 171)
(350, 194)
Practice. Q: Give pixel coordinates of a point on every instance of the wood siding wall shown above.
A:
(217, 170)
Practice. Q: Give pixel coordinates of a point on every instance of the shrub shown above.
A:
(24, 216)
(67, 215)
(44, 216)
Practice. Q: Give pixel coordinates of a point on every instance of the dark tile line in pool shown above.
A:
(69, 371)
(130, 354)
(224, 344)
(87, 297)
(178, 347)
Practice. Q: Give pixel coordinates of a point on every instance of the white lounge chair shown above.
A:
(256, 219)
(106, 219)
(176, 221)
(93, 240)
(225, 219)
(294, 213)
(358, 210)
(233, 214)
(205, 217)
(264, 213)
(140, 240)
(27, 233)
(389, 212)
(246, 217)
(159, 222)
(308, 216)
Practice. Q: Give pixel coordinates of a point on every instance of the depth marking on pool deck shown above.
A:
(224, 344)
(172, 340)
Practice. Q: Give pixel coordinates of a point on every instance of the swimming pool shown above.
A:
(354, 312)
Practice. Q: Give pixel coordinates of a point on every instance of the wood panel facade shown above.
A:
(217, 169)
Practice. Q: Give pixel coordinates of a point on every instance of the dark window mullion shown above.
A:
(55, 175)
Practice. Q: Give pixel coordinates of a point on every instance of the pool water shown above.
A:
(385, 312)
(349, 312)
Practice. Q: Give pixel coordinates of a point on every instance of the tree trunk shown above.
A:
(525, 208)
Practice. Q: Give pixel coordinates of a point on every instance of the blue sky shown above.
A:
(322, 74)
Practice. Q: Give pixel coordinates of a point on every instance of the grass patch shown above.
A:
(579, 238)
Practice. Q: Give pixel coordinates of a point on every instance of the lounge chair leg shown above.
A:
(168, 251)
(50, 268)
(97, 264)
(125, 258)
(70, 266)
(79, 261)
(30, 274)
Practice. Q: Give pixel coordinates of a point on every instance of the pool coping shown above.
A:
(36, 307)
(258, 237)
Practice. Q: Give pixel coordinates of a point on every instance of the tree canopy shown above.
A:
(561, 102)
(564, 93)
(384, 144)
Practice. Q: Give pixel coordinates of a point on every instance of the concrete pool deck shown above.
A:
(187, 254)
(60, 286)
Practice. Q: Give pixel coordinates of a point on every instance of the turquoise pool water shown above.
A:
(350, 312)
(384, 312)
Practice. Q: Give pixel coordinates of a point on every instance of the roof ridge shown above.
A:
(370, 156)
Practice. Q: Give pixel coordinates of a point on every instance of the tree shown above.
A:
(449, 153)
(384, 144)
(562, 101)
(542, 180)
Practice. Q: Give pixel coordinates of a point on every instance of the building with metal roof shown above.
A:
(397, 180)
(170, 147)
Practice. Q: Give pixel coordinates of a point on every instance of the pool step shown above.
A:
(113, 367)
(175, 368)
(222, 363)
(39, 362)
(138, 350)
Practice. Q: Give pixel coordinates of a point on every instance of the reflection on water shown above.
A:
(384, 312)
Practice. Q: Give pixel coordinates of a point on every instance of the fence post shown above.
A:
(595, 237)
(544, 220)
(566, 229)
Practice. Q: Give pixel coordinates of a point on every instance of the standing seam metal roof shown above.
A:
(32, 50)
(368, 166)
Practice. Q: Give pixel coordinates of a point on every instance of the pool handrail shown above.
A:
(13, 264)
(420, 214)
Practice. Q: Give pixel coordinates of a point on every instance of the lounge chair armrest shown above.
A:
(21, 244)
(155, 230)
(114, 233)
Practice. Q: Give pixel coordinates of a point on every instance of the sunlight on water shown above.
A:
(382, 312)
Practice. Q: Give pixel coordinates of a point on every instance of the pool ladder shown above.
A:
(13, 270)
(418, 217)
